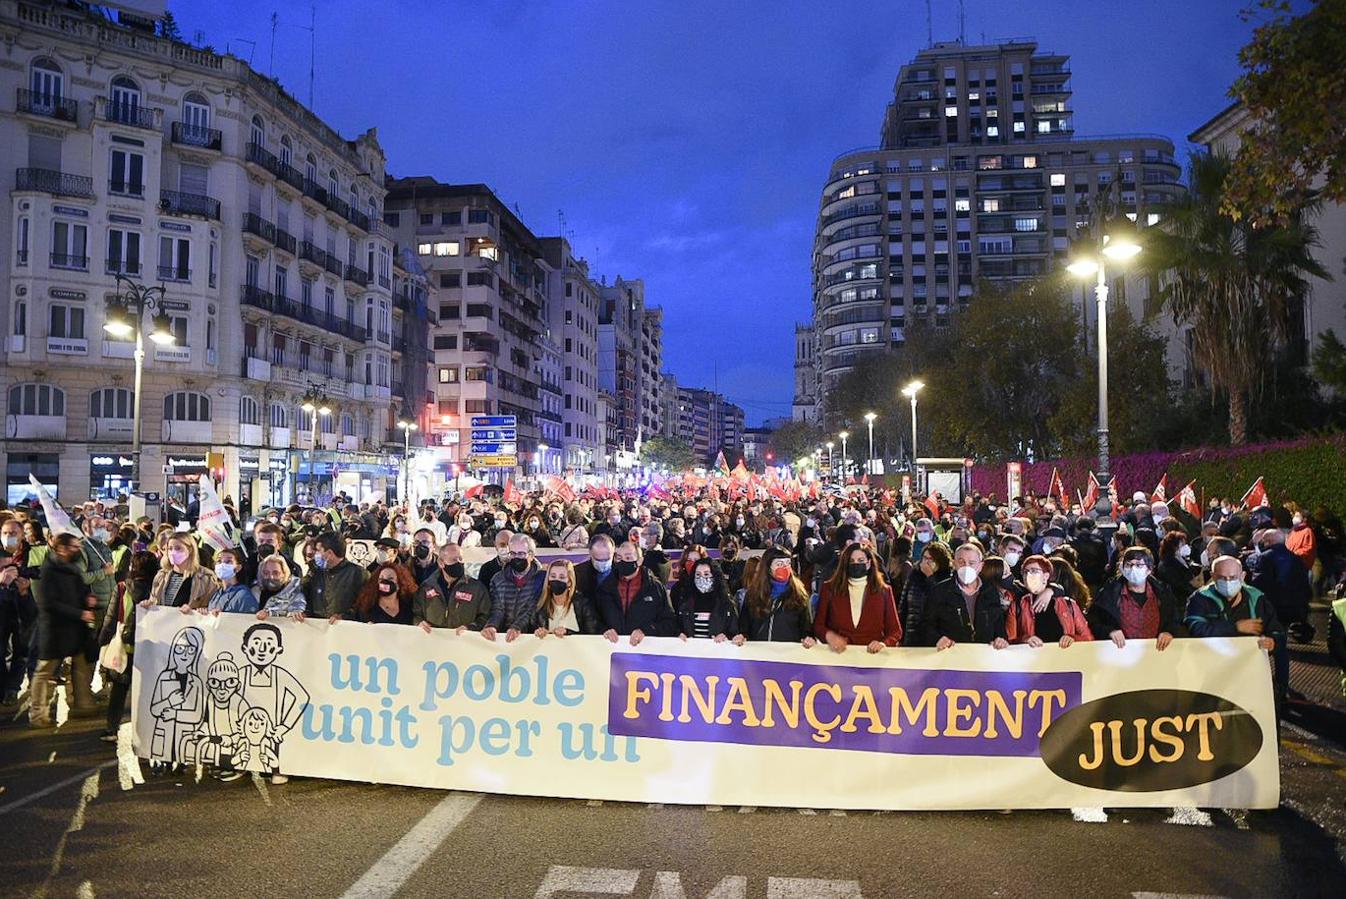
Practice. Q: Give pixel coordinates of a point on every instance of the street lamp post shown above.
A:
(314, 402)
(910, 392)
(1112, 241)
(126, 314)
(406, 425)
(869, 463)
(845, 465)
(830, 470)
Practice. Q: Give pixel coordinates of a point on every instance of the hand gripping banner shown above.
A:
(766, 724)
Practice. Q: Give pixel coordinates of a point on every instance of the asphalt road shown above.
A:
(77, 822)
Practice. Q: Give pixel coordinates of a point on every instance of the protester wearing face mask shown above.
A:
(650, 536)
(233, 595)
(333, 581)
(574, 535)
(448, 598)
(1135, 605)
(731, 563)
(591, 573)
(515, 591)
(1230, 607)
(1175, 568)
(182, 581)
(1301, 541)
(934, 565)
(100, 571)
(386, 598)
(613, 525)
(964, 608)
(710, 611)
(634, 603)
(856, 605)
(775, 604)
(278, 591)
(1044, 613)
(561, 609)
(64, 627)
(464, 532)
(386, 552)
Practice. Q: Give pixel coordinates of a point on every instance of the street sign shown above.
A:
(495, 421)
(488, 435)
(488, 448)
(495, 461)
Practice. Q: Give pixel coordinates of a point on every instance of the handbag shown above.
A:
(113, 655)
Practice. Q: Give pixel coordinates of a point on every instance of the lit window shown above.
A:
(1152, 218)
(446, 248)
(423, 249)
(1018, 127)
(951, 112)
(992, 131)
(1058, 179)
(1030, 162)
(963, 205)
(1044, 126)
(990, 205)
(974, 95)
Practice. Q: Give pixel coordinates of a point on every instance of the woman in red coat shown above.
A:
(1045, 614)
(856, 607)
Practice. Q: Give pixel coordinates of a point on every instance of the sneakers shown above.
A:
(227, 775)
(108, 736)
(278, 779)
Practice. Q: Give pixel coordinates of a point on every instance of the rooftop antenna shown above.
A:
(271, 63)
(929, 25)
(252, 47)
(962, 22)
(312, 47)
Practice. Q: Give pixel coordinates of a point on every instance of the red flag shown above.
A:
(1160, 494)
(512, 494)
(1187, 499)
(1091, 494)
(740, 472)
(1256, 495)
(1057, 488)
(561, 488)
(474, 491)
(932, 505)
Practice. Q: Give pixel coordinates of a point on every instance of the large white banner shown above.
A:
(767, 724)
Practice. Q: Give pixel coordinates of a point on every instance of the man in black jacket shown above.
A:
(1136, 605)
(634, 602)
(64, 627)
(597, 569)
(334, 581)
(449, 598)
(964, 608)
(1092, 552)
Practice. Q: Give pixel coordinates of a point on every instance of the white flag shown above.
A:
(58, 522)
(214, 525)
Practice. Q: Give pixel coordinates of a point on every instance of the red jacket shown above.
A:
(1019, 620)
(878, 617)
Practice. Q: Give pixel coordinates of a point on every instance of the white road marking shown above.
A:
(260, 783)
(87, 794)
(809, 888)
(655, 805)
(1189, 817)
(1089, 815)
(85, 890)
(389, 873)
(837, 813)
(668, 885)
(1145, 895)
(128, 763)
(604, 881)
(807, 811)
(60, 785)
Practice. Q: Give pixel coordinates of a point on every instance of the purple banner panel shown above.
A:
(898, 710)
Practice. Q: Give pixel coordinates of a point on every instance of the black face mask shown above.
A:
(857, 569)
(386, 587)
(559, 587)
(422, 551)
(624, 569)
(728, 554)
(266, 549)
(519, 566)
(454, 570)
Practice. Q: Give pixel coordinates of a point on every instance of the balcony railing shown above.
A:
(69, 260)
(52, 106)
(290, 175)
(132, 114)
(255, 224)
(307, 250)
(315, 191)
(262, 299)
(259, 155)
(176, 202)
(359, 219)
(174, 273)
(333, 265)
(123, 267)
(339, 206)
(254, 296)
(357, 275)
(125, 189)
(54, 182)
(197, 136)
(285, 241)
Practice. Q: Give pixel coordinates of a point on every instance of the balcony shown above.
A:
(123, 267)
(290, 176)
(333, 265)
(175, 202)
(285, 241)
(132, 114)
(256, 297)
(310, 252)
(261, 299)
(359, 220)
(58, 184)
(255, 224)
(50, 106)
(69, 260)
(188, 135)
(339, 206)
(314, 191)
(357, 275)
(261, 156)
(175, 273)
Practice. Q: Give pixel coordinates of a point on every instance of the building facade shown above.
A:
(573, 317)
(709, 424)
(488, 291)
(630, 355)
(978, 175)
(805, 406)
(133, 155)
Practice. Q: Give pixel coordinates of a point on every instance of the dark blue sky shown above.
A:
(686, 142)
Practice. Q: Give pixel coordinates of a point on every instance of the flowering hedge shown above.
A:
(1309, 470)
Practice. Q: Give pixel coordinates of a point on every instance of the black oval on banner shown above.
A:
(1151, 740)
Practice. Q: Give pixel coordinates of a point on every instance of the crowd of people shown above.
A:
(853, 567)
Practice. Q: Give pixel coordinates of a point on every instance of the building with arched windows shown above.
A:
(129, 154)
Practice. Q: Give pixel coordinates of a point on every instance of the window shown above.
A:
(306, 293)
(990, 204)
(951, 112)
(186, 406)
(329, 300)
(123, 251)
(47, 84)
(69, 245)
(450, 279)
(480, 279)
(257, 134)
(214, 273)
(20, 318)
(477, 373)
(479, 217)
(175, 258)
(23, 240)
(333, 185)
(1058, 179)
(36, 399)
(248, 411)
(446, 248)
(280, 417)
(448, 375)
(111, 402)
(66, 321)
(451, 218)
(178, 325)
(128, 173)
(427, 218)
(124, 104)
(1025, 224)
(347, 425)
(424, 249)
(282, 282)
(446, 341)
(195, 115)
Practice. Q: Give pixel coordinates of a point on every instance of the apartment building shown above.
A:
(978, 174)
(630, 354)
(573, 318)
(488, 281)
(708, 424)
(127, 154)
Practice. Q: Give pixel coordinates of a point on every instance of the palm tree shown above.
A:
(1236, 285)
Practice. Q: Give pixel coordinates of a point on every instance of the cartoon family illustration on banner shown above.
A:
(238, 716)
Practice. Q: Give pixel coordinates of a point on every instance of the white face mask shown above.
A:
(1229, 586)
(1136, 575)
(967, 575)
(1012, 558)
(1184, 551)
(1035, 581)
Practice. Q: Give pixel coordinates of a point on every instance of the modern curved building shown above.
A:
(978, 174)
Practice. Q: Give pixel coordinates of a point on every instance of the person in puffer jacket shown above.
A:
(278, 591)
(1230, 607)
